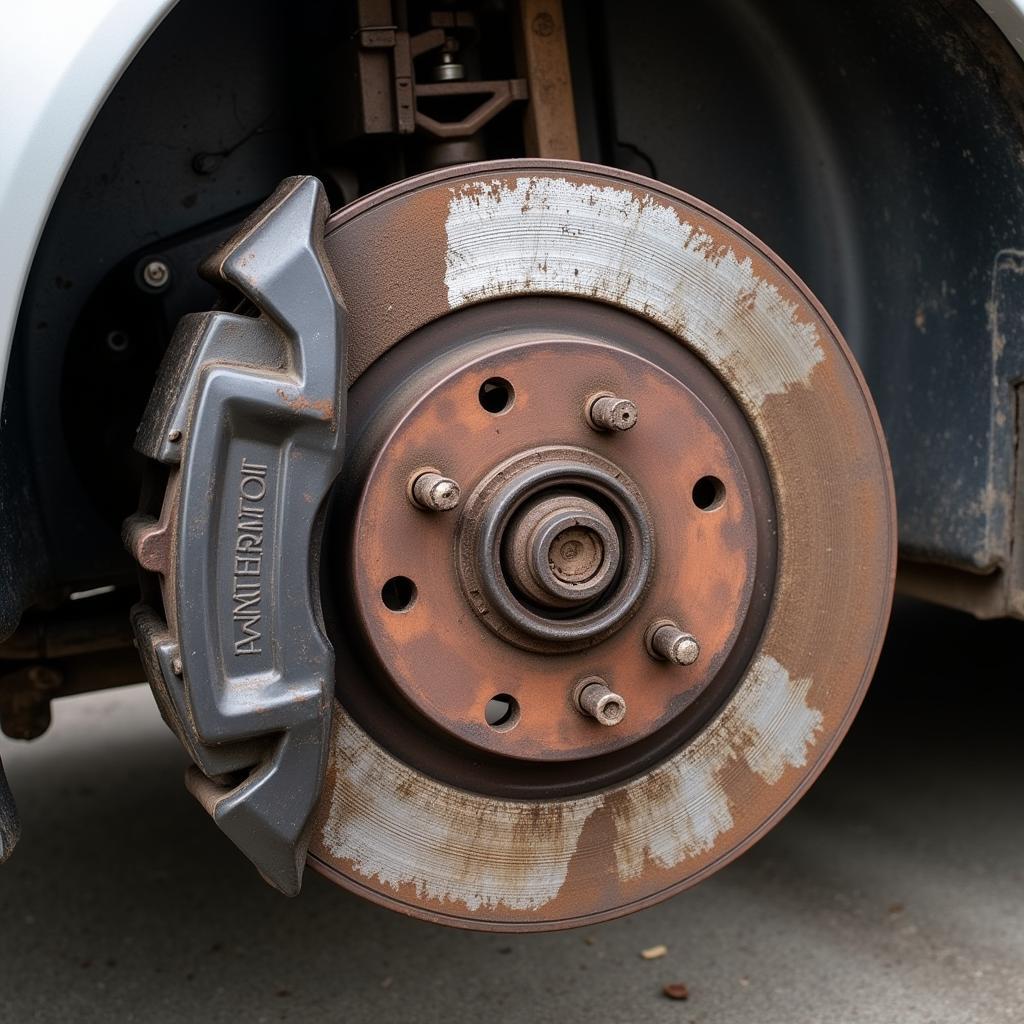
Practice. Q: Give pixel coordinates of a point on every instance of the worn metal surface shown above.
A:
(493, 573)
(248, 419)
(666, 640)
(699, 566)
(28, 689)
(561, 551)
(592, 696)
(483, 237)
(608, 412)
(433, 492)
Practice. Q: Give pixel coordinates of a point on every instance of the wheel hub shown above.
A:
(562, 550)
(569, 543)
(526, 526)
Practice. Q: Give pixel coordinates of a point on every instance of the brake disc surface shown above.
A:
(748, 507)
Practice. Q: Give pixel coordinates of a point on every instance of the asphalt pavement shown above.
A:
(894, 892)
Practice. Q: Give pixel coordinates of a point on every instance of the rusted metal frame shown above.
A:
(74, 649)
(424, 42)
(549, 121)
(70, 632)
(405, 85)
(26, 691)
(383, 71)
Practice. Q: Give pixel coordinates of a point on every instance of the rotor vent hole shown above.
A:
(496, 395)
(708, 493)
(398, 594)
(502, 712)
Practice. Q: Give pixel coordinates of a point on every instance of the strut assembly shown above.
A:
(504, 585)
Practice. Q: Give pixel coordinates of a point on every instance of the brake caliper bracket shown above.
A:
(248, 418)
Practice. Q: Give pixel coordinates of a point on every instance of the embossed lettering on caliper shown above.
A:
(247, 413)
(247, 593)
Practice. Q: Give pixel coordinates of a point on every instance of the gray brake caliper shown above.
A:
(248, 416)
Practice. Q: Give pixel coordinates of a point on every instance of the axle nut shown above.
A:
(593, 698)
(433, 492)
(667, 642)
(608, 412)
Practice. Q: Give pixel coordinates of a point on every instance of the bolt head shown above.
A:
(156, 275)
(561, 550)
(611, 709)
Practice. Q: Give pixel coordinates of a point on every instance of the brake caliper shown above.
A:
(248, 418)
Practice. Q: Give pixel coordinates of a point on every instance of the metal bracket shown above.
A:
(248, 416)
(386, 96)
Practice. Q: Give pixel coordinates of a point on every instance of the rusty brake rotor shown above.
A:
(609, 564)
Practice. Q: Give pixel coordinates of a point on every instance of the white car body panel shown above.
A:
(59, 59)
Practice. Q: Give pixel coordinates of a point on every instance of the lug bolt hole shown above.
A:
(398, 594)
(708, 493)
(496, 395)
(502, 712)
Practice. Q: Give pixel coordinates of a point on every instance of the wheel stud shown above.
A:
(593, 698)
(608, 412)
(667, 642)
(433, 492)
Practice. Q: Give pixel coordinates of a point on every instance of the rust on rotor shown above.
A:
(537, 643)
(425, 662)
(559, 821)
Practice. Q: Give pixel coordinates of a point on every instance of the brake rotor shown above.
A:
(586, 653)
